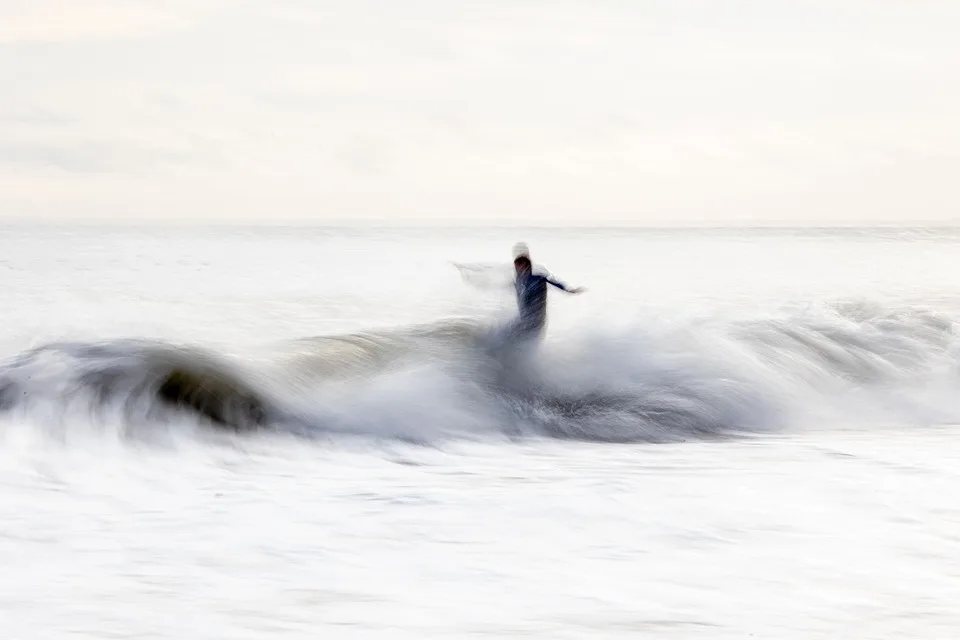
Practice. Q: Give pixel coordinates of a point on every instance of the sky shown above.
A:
(499, 111)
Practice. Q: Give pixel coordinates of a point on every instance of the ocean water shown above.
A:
(733, 433)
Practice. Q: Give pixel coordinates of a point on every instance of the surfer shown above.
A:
(531, 287)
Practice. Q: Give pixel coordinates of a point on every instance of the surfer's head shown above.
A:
(522, 265)
(521, 258)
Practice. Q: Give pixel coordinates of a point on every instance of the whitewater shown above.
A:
(733, 433)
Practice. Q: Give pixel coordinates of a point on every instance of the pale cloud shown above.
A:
(664, 111)
(53, 21)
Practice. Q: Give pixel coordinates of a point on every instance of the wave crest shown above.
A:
(659, 380)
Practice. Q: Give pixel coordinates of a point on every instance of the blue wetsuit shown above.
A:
(532, 302)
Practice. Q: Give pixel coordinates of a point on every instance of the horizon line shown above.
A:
(420, 223)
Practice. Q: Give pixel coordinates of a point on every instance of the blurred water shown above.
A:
(836, 519)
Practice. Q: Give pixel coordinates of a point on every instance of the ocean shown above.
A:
(733, 433)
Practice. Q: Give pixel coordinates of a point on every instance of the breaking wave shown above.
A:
(659, 380)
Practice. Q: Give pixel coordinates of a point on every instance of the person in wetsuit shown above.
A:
(531, 286)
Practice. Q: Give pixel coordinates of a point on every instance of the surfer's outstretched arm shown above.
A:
(564, 287)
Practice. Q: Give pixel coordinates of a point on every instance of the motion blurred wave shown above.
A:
(661, 379)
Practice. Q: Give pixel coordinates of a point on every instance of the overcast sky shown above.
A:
(549, 111)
